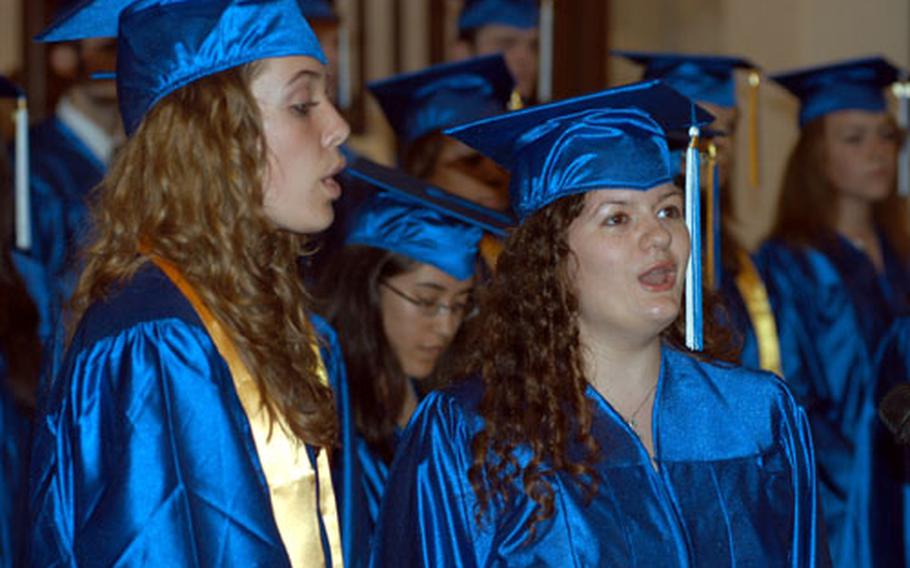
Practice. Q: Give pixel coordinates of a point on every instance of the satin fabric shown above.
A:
(735, 484)
(163, 45)
(410, 228)
(143, 453)
(62, 173)
(15, 431)
(833, 311)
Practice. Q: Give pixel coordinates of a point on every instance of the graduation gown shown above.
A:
(15, 431)
(62, 172)
(833, 311)
(734, 484)
(143, 453)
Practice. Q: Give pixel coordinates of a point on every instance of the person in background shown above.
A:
(192, 417)
(509, 27)
(69, 154)
(710, 81)
(836, 268)
(398, 293)
(589, 435)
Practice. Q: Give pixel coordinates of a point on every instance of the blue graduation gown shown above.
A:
(833, 310)
(735, 485)
(62, 173)
(143, 453)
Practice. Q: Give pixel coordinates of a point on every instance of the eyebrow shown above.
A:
(307, 74)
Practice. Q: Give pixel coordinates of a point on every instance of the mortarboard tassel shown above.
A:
(754, 171)
(713, 236)
(901, 91)
(694, 338)
(23, 205)
(545, 60)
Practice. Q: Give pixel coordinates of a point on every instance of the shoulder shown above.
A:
(451, 412)
(726, 379)
(147, 297)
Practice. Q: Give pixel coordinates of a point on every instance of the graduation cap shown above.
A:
(163, 45)
(616, 138)
(434, 98)
(318, 10)
(515, 13)
(9, 90)
(410, 217)
(855, 84)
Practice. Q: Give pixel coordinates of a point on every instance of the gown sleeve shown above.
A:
(143, 456)
(428, 515)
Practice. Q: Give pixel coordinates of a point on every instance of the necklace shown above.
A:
(631, 420)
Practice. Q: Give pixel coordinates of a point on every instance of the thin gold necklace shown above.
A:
(631, 420)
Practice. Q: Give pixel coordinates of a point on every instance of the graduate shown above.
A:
(69, 153)
(591, 436)
(420, 104)
(710, 80)
(836, 267)
(193, 414)
(509, 27)
(397, 294)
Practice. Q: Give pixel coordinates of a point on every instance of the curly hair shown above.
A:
(529, 355)
(806, 212)
(188, 187)
(349, 293)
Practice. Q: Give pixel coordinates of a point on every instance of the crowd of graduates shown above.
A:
(227, 338)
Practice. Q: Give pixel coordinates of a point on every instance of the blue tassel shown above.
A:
(694, 333)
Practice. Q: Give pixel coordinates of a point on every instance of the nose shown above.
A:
(655, 234)
(446, 324)
(336, 130)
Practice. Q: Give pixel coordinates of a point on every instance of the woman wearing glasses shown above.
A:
(398, 293)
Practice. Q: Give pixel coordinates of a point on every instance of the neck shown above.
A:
(854, 217)
(620, 368)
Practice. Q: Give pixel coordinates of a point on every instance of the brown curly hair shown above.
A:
(530, 358)
(806, 212)
(188, 187)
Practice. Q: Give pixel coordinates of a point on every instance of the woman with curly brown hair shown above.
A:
(190, 420)
(591, 436)
(837, 265)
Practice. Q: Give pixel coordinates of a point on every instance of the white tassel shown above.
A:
(694, 334)
(23, 205)
(344, 66)
(545, 56)
(901, 92)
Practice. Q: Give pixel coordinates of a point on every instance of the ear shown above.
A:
(462, 49)
(64, 60)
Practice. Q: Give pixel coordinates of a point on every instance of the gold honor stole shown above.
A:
(301, 496)
(755, 296)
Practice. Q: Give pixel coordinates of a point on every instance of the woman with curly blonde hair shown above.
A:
(590, 436)
(191, 417)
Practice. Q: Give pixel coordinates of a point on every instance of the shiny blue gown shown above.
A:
(143, 453)
(833, 311)
(62, 173)
(734, 485)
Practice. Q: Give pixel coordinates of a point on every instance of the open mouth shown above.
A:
(659, 278)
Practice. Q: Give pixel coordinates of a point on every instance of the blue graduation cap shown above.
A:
(708, 78)
(163, 45)
(422, 102)
(618, 138)
(9, 90)
(855, 84)
(412, 218)
(320, 10)
(516, 13)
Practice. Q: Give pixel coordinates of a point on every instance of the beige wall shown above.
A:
(776, 34)
(10, 36)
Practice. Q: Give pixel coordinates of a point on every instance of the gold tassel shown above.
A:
(754, 174)
(515, 102)
(709, 222)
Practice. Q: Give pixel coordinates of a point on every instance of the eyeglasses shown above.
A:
(461, 310)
